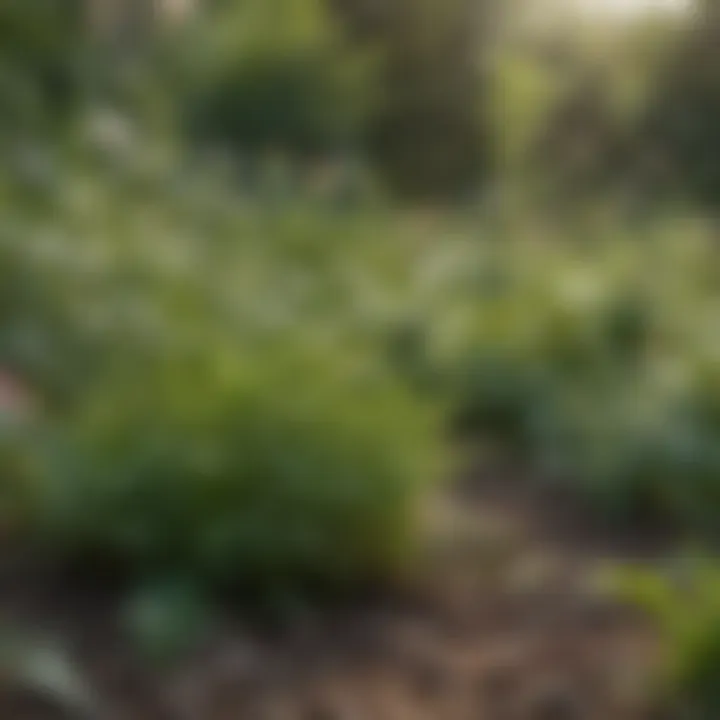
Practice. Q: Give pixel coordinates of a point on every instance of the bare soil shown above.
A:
(507, 622)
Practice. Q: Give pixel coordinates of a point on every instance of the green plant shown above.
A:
(687, 610)
(275, 76)
(242, 463)
(597, 362)
(40, 42)
(166, 619)
(216, 404)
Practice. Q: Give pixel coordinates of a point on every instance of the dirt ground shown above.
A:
(507, 623)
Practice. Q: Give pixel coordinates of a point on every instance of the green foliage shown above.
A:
(275, 76)
(582, 110)
(595, 360)
(214, 366)
(236, 464)
(40, 43)
(216, 404)
(687, 610)
(164, 620)
(429, 137)
(682, 116)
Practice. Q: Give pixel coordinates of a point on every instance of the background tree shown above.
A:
(430, 137)
(40, 43)
(683, 117)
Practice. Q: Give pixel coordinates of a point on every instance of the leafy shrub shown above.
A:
(498, 397)
(215, 404)
(597, 362)
(622, 446)
(40, 42)
(687, 610)
(275, 77)
(237, 464)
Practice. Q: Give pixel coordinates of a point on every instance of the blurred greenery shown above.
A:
(273, 77)
(685, 603)
(206, 380)
(589, 359)
(40, 52)
(682, 116)
(254, 262)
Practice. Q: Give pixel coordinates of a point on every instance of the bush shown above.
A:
(40, 44)
(596, 362)
(687, 610)
(237, 464)
(274, 76)
(215, 402)
(398, 81)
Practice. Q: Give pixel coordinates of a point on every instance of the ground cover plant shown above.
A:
(595, 359)
(213, 402)
(684, 602)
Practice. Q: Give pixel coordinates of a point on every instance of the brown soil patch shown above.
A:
(506, 624)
